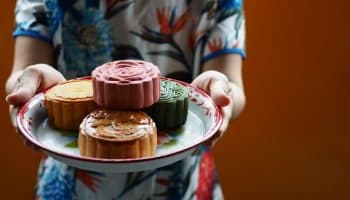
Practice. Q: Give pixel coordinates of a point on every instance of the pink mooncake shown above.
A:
(126, 84)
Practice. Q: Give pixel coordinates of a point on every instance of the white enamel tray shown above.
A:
(204, 119)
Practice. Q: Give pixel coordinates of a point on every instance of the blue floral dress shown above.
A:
(177, 35)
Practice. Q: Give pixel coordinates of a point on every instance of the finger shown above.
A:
(216, 85)
(28, 143)
(25, 87)
(219, 92)
(13, 110)
(212, 141)
(20, 95)
(33, 78)
(226, 118)
(227, 113)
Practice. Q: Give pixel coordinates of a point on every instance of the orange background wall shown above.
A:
(292, 141)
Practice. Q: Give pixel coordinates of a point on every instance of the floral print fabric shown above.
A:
(179, 36)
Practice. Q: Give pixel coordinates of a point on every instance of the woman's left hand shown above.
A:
(227, 95)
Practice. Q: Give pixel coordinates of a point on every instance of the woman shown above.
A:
(191, 40)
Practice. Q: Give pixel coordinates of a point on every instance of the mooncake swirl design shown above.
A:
(172, 108)
(117, 134)
(68, 103)
(172, 91)
(126, 84)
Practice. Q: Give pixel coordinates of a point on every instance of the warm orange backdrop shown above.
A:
(292, 141)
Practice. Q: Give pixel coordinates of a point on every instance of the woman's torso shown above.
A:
(176, 35)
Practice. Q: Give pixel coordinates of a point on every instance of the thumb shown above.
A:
(25, 87)
(20, 96)
(219, 92)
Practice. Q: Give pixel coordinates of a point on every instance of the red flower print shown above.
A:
(163, 19)
(166, 24)
(111, 3)
(169, 24)
(206, 177)
(116, 6)
(87, 179)
(180, 22)
(194, 36)
(163, 181)
(215, 45)
(235, 44)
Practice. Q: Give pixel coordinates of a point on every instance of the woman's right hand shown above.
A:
(22, 85)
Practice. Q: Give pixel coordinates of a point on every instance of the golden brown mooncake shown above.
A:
(68, 103)
(117, 134)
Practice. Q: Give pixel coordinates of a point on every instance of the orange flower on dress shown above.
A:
(215, 45)
(167, 24)
(88, 179)
(111, 3)
(113, 7)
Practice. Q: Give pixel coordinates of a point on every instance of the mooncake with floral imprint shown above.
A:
(68, 103)
(126, 84)
(172, 108)
(117, 134)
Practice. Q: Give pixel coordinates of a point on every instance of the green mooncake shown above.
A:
(172, 108)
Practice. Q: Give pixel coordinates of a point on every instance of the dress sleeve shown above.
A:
(228, 34)
(31, 19)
